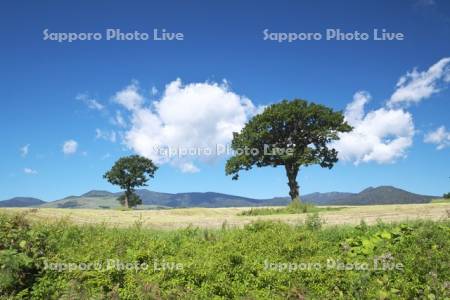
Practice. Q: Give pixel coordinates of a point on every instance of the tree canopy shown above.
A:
(128, 173)
(290, 133)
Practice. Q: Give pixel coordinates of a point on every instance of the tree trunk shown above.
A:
(125, 202)
(291, 172)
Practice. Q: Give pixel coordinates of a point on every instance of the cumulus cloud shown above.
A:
(70, 147)
(194, 117)
(119, 119)
(24, 150)
(106, 135)
(154, 91)
(385, 134)
(90, 102)
(130, 97)
(354, 112)
(30, 171)
(440, 137)
(188, 167)
(382, 135)
(416, 86)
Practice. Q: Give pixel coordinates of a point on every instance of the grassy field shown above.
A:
(215, 217)
(442, 200)
(261, 260)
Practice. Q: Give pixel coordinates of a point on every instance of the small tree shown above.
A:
(446, 196)
(290, 133)
(128, 173)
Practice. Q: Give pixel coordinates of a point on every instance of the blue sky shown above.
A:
(49, 90)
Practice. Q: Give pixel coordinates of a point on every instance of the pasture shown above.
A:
(216, 217)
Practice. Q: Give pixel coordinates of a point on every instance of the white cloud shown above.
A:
(154, 91)
(24, 150)
(385, 134)
(70, 147)
(105, 135)
(382, 135)
(119, 120)
(354, 112)
(90, 102)
(30, 171)
(191, 116)
(99, 134)
(130, 97)
(188, 167)
(440, 137)
(416, 86)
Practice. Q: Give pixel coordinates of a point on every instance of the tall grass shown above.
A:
(295, 207)
(260, 261)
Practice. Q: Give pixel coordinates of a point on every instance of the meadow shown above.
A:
(234, 217)
(264, 259)
(377, 252)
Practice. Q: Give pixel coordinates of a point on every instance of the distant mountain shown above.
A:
(369, 196)
(84, 202)
(97, 193)
(21, 202)
(383, 195)
(208, 199)
(155, 200)
(326, 198)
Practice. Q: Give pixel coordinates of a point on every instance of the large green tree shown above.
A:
(128, 173)
(291, 134)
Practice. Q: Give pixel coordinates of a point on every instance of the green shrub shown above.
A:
(22, 249)
(225, 263)
(295, 207)
(314, 222)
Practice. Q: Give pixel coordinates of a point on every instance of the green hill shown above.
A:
(21, 202)
(154, 200)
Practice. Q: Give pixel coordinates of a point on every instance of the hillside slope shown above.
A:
(21, 202)
(389, 195)
(155, 200)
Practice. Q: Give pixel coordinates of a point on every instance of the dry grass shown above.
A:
(215, 217)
